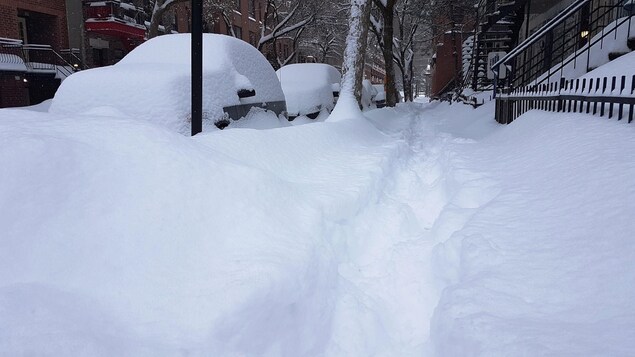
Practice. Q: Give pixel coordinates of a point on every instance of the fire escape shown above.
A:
(498, 29)
(120, 19)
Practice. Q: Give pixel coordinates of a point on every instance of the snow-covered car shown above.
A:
(369, 93)
(380, 97)
(309, 88)
(153, 83)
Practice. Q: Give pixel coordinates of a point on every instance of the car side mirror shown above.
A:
(246, 93)
(336, 94)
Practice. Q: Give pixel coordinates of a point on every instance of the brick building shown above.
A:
(447, 63)
(112, 28)
(246, 21)
(35, 21)
(34, 33)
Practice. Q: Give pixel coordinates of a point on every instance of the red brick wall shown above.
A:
(56, 8)
(13, 92)
(8, 20)
(445, 68)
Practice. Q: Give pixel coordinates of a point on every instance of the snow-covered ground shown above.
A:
(423, 230)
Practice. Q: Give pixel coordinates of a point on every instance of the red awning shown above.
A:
(116, 28)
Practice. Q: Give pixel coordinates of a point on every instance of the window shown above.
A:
(238, 31)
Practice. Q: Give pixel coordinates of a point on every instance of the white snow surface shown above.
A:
(12, 63)
(422, 230)
(153, 82)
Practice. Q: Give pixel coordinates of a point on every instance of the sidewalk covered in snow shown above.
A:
(422, 230)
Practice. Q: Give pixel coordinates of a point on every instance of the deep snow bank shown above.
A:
(443, 233)
(542, 266)
(121, 238)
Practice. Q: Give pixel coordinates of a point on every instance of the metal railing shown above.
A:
(611, 96)
(16, 56)
(11, 55)
(565, 42)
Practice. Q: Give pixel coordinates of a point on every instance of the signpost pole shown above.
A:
(197, 66)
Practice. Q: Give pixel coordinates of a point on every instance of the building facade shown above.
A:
(34, 37)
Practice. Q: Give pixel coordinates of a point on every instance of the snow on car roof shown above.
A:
(153, 82)
(308, 87)
(302, 72)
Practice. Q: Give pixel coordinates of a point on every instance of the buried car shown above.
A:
(309, 88)
(153, 83)
(380, 97)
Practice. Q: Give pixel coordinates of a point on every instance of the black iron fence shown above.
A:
(610, 96)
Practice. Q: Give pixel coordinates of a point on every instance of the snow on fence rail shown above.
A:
(605, 95)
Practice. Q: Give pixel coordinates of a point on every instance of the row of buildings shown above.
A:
(44, 41)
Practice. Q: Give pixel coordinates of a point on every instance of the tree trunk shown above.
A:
(157, 15)
(353, 67)
(349, 102)
(387, 37)
(407, 88)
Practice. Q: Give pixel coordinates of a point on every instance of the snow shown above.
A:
(381, 93)
(12, 63)
(308, 87)
(421, 230)
(152, 83)
(621, 66)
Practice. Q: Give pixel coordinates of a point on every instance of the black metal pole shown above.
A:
(197, 66)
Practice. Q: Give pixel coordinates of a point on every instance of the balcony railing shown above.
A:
(31, 58)
(114, 9)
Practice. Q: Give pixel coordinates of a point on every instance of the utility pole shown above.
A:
(197, 66)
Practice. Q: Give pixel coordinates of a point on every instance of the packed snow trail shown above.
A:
(390, 287)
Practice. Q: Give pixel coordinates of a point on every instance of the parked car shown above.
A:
(369, 93)
(309, 88)
(153, 83)
(380, 97)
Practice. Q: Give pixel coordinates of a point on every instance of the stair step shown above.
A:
(631, 43)
(614, 55)
(497, 39)
(496, 32)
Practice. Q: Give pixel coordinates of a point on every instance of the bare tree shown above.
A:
(158, 10)
(217, 10)
(283, 19)
(410, 17)
(324, 38)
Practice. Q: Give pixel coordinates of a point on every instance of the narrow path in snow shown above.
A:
(389, 285)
